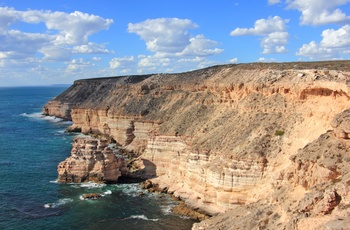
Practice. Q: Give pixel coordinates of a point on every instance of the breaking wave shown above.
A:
(60, 202)
(41, 116)
(141, 217)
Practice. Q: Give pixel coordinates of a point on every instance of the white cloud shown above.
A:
(273, 30)
(91, 48)
(171, 42)
(200, 46)
(315, 51)
(96, 59)
(263, 27)
(320, 12)
(334, 44)
(75, 28)
(336, 38)
(168, 35)
(124, 64)
(262, 59)
(21, 44)
(233, 60)
(77, 64)
(275, 43)
(65, 34)
(56, 53)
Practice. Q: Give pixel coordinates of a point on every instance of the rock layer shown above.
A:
(252, 136)
(91, 160)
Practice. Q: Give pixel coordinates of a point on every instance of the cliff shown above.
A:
(268, 137)
(91, 160)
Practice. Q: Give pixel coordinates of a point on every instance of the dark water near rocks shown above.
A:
(31, 146)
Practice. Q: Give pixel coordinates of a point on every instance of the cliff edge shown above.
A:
(264, 144)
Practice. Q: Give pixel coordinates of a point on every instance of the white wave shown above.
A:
(130, 189)
(43, 117)
(61, 131)
(167, 209)
(52, 119)
(108, 192)
(91, 185)
(53, 181)
(141, 217)
(32, 115)
(60, 202)
(67, 122)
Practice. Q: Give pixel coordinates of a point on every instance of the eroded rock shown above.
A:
(91, 160)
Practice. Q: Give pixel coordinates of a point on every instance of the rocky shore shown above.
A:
(255, 146)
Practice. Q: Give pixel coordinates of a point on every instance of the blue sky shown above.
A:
(55, 42)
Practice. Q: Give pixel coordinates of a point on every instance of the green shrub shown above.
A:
(279, 132)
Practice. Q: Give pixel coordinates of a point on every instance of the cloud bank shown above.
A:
(64, 35)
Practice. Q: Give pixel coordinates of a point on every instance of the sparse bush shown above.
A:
(279, 132)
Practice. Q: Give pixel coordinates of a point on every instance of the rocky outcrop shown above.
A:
(312, 192)
(243, 139)
(91, 160)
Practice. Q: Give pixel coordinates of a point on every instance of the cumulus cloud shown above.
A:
(263, 27)
(66, 34)
(171, 42)
(200, 46)
(336, 38)
(275, 43)
(124, 64)
(166, 35)
(273, 30)
(316, 52)
(320, 12)
(334, 44)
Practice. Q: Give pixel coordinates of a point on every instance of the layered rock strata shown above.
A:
(229, 137)
(91, 160)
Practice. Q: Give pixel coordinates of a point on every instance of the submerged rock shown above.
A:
(92, 196)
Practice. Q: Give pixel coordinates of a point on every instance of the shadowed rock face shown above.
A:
(253, 135)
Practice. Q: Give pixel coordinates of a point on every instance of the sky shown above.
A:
(59, 41)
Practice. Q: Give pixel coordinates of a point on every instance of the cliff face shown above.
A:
(226, 135)
(91, 160)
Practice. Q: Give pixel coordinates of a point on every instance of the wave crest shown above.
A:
(141, 217)
(60, 202)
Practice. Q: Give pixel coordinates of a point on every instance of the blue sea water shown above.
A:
(31, 146)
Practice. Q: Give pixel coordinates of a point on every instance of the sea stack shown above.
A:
(91, 160)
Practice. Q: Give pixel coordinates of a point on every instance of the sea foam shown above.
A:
(60, 202)
(44, 117)
(141, 217)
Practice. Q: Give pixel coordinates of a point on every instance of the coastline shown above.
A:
(229, 136)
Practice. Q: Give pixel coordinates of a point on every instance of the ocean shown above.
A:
(31, 146)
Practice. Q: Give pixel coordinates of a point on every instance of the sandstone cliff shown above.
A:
(261, 139)
(91, 160)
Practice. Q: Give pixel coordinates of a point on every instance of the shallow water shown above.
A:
(31, 148)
